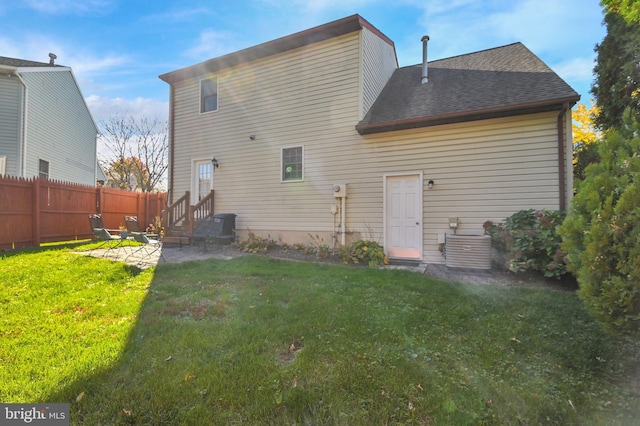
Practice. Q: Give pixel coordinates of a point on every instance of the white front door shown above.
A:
(403, 216)
(202, 180)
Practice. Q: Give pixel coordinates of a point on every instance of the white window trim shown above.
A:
(200, 99)
(282, 164)
(48, 167)
(194, 178)
(3, 165)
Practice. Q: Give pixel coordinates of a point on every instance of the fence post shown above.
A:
(99, 200)
(36, 211)
(142, 218)
(145, 207)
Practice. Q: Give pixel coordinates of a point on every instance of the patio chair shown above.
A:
(134, 226)
(112, 242)
(149, 246)
(131, 222)
(95, 221)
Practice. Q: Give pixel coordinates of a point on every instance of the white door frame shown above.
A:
(194, 177)
(419, 213)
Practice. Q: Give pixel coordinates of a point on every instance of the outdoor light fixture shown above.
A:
(215, 162)
(252, 137)
(430, 184)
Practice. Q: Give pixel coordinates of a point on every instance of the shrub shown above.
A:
(602, 233)
(529, 241)
(319, 247)
(365, 251)
(255, 244)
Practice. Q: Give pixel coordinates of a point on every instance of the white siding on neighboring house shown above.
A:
(378, 63)
(11, 98)
(60, 128)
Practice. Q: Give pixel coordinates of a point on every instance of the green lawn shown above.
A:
(259, 341)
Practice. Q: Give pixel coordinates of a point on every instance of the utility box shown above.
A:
(340, 190)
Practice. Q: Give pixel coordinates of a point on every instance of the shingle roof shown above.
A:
(23, 63)
(503, 81)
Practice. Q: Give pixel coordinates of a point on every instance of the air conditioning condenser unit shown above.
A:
(468, 251)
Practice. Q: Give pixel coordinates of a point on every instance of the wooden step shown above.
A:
(176, 239)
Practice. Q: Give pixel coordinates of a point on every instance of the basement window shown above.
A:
(209, 95)
(292, 164)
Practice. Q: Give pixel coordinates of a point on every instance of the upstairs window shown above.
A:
(208, 95)
(292, 164)
(43, 169)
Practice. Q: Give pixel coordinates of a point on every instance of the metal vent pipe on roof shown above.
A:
(425, 74)
(52, 58)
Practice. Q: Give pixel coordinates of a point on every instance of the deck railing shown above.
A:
(183, 214)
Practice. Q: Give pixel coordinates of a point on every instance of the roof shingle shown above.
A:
(503, 81)
(23, 63)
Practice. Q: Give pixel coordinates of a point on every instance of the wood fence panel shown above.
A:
(64, 210)
(16, 212)
(115, 204)
(39, 210)
(156, 203)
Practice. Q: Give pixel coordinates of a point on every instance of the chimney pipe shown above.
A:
(425, 74)
(52, 58)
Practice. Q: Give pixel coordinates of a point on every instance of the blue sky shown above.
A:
(117, 48)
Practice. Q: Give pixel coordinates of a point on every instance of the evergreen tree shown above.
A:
(601, 234)
(617, 83)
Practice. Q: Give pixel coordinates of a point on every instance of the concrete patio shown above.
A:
(169, 253)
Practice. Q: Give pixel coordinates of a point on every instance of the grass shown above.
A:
(259, 341)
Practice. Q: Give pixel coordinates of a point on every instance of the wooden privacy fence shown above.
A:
(33, 211)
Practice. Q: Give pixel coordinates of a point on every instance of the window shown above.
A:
(209, 95)
(292, 163)
(43, 169)
(3, 164)
(205, 179)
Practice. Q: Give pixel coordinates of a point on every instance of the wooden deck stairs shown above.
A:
(180, 218)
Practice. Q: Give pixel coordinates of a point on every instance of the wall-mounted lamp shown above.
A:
(215, 163)
(430, 184)
(252, 137)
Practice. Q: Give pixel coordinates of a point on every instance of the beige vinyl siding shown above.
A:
(312, 96)
(378, 64)
(307, 96)
(60, 128)
(484, 170)
(11, 100)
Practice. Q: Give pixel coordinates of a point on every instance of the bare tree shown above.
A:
(136, 152)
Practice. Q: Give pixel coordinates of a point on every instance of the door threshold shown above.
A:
(405, 262)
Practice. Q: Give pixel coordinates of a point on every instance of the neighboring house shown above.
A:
(475, 137)
(46, 128)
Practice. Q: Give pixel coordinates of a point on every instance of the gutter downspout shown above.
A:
(25, 105)
(562, 187)
(171, 143)
(22, 138)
